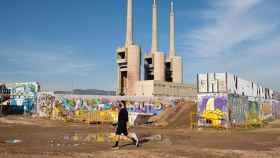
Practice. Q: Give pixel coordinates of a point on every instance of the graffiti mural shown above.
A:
(266, 110)
(45, 103)
(213, 110)
(276, 109)
(72, 107)
(238, 106)
(145, 107)
(23, 96)
(253, 114)
(218, 110)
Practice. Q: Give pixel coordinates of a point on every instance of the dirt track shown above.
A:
(46, 139)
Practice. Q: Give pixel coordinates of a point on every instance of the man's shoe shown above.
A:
(136, 140)
(137, 143)
(115, 147)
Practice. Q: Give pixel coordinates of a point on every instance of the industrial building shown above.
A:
(163, 73)
(128, 60)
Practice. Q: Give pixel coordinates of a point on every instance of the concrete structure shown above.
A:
(276, 95)
(154, 60)
(225, 99)
(173, 64)
(154, 28)
(168, 89)
(162, 76)
(231, 84)
(172, 51)
(128, 60)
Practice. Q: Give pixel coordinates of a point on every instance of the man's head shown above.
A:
(122, 104)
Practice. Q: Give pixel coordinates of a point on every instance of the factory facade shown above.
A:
(163, 73)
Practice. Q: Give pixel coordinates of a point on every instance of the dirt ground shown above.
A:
(22, 137)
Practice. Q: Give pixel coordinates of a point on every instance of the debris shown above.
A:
(13, 141)
(75, 145)
(76, 137)
(66, 137)
(166, 141)
(175, 117)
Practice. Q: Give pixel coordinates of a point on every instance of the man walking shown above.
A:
(122, 126)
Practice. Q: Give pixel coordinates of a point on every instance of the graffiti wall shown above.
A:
(266, 110)
(145, 107)
(72, 107)
(254, 113)
(213, 110)
(275, 109)
(224, 110)
(45, 104)
(238, 106)
(23, 96)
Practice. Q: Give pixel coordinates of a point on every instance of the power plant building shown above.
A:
(163, 73)
(128, 60)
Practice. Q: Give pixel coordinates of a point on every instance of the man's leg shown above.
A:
(116, 146)
(134, 138)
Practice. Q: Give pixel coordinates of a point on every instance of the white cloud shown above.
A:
(230, 25)
(240, 36)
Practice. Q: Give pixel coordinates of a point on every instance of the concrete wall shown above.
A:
(177, 69)
(145, 88)
(275, 109)
(238, 106)
(159, 71)
(231, 84)
(224, 110)
(159, 88)
(276, 95)
(133, 66)
(23, 96)
(213, 110)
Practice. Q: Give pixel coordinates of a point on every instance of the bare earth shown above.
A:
(40, 138)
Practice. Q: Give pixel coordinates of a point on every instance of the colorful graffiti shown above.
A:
(23, 96)
(238, 106)
(253, 114)
(213, 110)
(275, 109)
(266, 110)
(45, 104)
(233, 110)
(73, 107)
(151, 108)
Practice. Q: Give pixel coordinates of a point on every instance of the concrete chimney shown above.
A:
(154, 28)
(172, 51)
(129, 27)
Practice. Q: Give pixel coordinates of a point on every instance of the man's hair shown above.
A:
(122, 104)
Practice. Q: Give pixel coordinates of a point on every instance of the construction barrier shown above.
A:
(100, 117)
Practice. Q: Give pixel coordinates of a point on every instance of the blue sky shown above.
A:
(69, 44)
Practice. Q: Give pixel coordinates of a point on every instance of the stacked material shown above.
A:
(178, 116)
